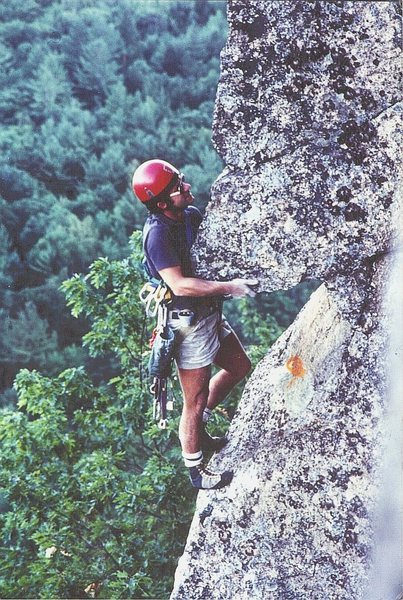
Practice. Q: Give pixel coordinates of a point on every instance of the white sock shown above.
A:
(192, 460)
(206, 414)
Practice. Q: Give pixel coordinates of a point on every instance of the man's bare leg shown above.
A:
(195, 387)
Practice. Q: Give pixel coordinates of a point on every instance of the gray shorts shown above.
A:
(198, 344)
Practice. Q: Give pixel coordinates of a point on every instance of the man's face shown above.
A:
(181, 196)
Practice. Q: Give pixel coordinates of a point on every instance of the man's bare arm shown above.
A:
(193, 286)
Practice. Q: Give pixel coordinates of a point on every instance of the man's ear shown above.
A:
(162, 205)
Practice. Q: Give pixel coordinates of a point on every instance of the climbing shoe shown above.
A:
(204, 479)
(209, 442)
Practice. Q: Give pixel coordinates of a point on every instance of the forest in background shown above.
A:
(94, 494)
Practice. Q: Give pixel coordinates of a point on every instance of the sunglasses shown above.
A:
(179, 186)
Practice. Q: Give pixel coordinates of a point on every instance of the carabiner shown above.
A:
(157, 297)
(146, 291)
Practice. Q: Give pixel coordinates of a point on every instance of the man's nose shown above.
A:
(187, 186)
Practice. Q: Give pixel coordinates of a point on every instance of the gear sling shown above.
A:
(156, 296)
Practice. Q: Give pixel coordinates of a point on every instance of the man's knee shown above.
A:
(196, 401)
(195, 387)
(199, 400)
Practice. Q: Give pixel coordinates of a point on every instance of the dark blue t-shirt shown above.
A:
(165, 245)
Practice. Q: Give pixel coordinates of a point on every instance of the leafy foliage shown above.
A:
(92, 488)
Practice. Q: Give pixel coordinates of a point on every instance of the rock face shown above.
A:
(307, 120)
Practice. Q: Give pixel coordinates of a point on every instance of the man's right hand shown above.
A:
(193, 286)
(242, 287)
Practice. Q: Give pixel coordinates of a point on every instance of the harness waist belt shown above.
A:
(193, 314)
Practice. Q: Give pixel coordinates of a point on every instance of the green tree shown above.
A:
(72, 241)
(92, 488)
(51, 89)
(26, 338)
(97, 72)
(27, 341)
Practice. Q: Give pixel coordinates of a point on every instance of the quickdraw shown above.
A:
(153, 295)
(156, 297)
(161, 403)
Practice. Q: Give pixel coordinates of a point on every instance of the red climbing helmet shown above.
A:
(152, 178)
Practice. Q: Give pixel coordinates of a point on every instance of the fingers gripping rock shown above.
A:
(243, 287)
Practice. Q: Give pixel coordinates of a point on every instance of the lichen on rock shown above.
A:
(307, 121)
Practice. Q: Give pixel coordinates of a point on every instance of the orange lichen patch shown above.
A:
(295, 366)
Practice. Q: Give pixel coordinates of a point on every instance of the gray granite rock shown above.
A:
(307, 120)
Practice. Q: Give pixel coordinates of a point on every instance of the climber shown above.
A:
(202, 335)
